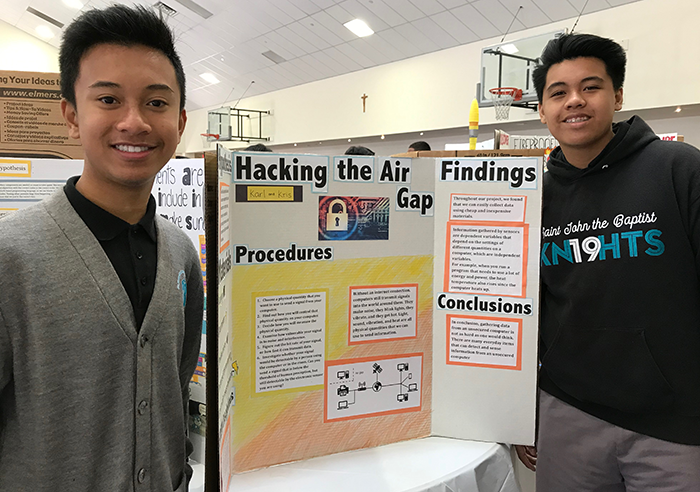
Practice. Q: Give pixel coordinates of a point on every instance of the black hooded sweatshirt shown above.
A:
(620, 263)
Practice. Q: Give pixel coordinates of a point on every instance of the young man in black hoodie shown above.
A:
(620, 317)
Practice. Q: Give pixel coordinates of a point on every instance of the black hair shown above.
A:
(258, 148)
(121, 25)
(358, 150)
(571, 46)
(419, 145)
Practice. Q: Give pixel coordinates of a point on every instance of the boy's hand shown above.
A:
(528, 456)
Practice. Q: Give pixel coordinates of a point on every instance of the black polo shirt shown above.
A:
(132, 249)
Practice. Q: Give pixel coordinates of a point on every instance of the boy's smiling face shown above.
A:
(578, 104)
(127, 114)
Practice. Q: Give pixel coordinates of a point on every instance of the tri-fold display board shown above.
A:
(367, 300)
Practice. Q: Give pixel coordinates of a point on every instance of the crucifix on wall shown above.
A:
(364, 101)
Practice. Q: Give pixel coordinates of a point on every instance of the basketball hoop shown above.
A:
(209, 137)
(502, 98)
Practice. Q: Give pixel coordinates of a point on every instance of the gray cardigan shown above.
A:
(86, 402)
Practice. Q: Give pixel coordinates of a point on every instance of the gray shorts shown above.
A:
(577, 452)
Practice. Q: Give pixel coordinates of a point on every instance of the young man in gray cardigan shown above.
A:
(101, 300)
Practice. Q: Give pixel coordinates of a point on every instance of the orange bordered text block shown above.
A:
(378, 313)
(484, 341)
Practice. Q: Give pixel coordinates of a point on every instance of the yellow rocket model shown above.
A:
(473, 124)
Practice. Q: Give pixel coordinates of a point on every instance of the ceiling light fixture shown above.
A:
(164, 9)
(44, 31)
(46, 18)
(359, 28)
(421, 134)
(349, 140)
(209, 77)
(382, 137)
(271, 55)
(678, 109)
(74, 4)
(196, 8)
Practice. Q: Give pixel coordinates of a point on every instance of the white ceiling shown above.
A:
(310, 36)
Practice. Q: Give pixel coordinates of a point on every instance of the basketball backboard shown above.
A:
(510, 64)
(219, 123)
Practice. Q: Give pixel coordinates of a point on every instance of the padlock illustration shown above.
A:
(337, 216)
